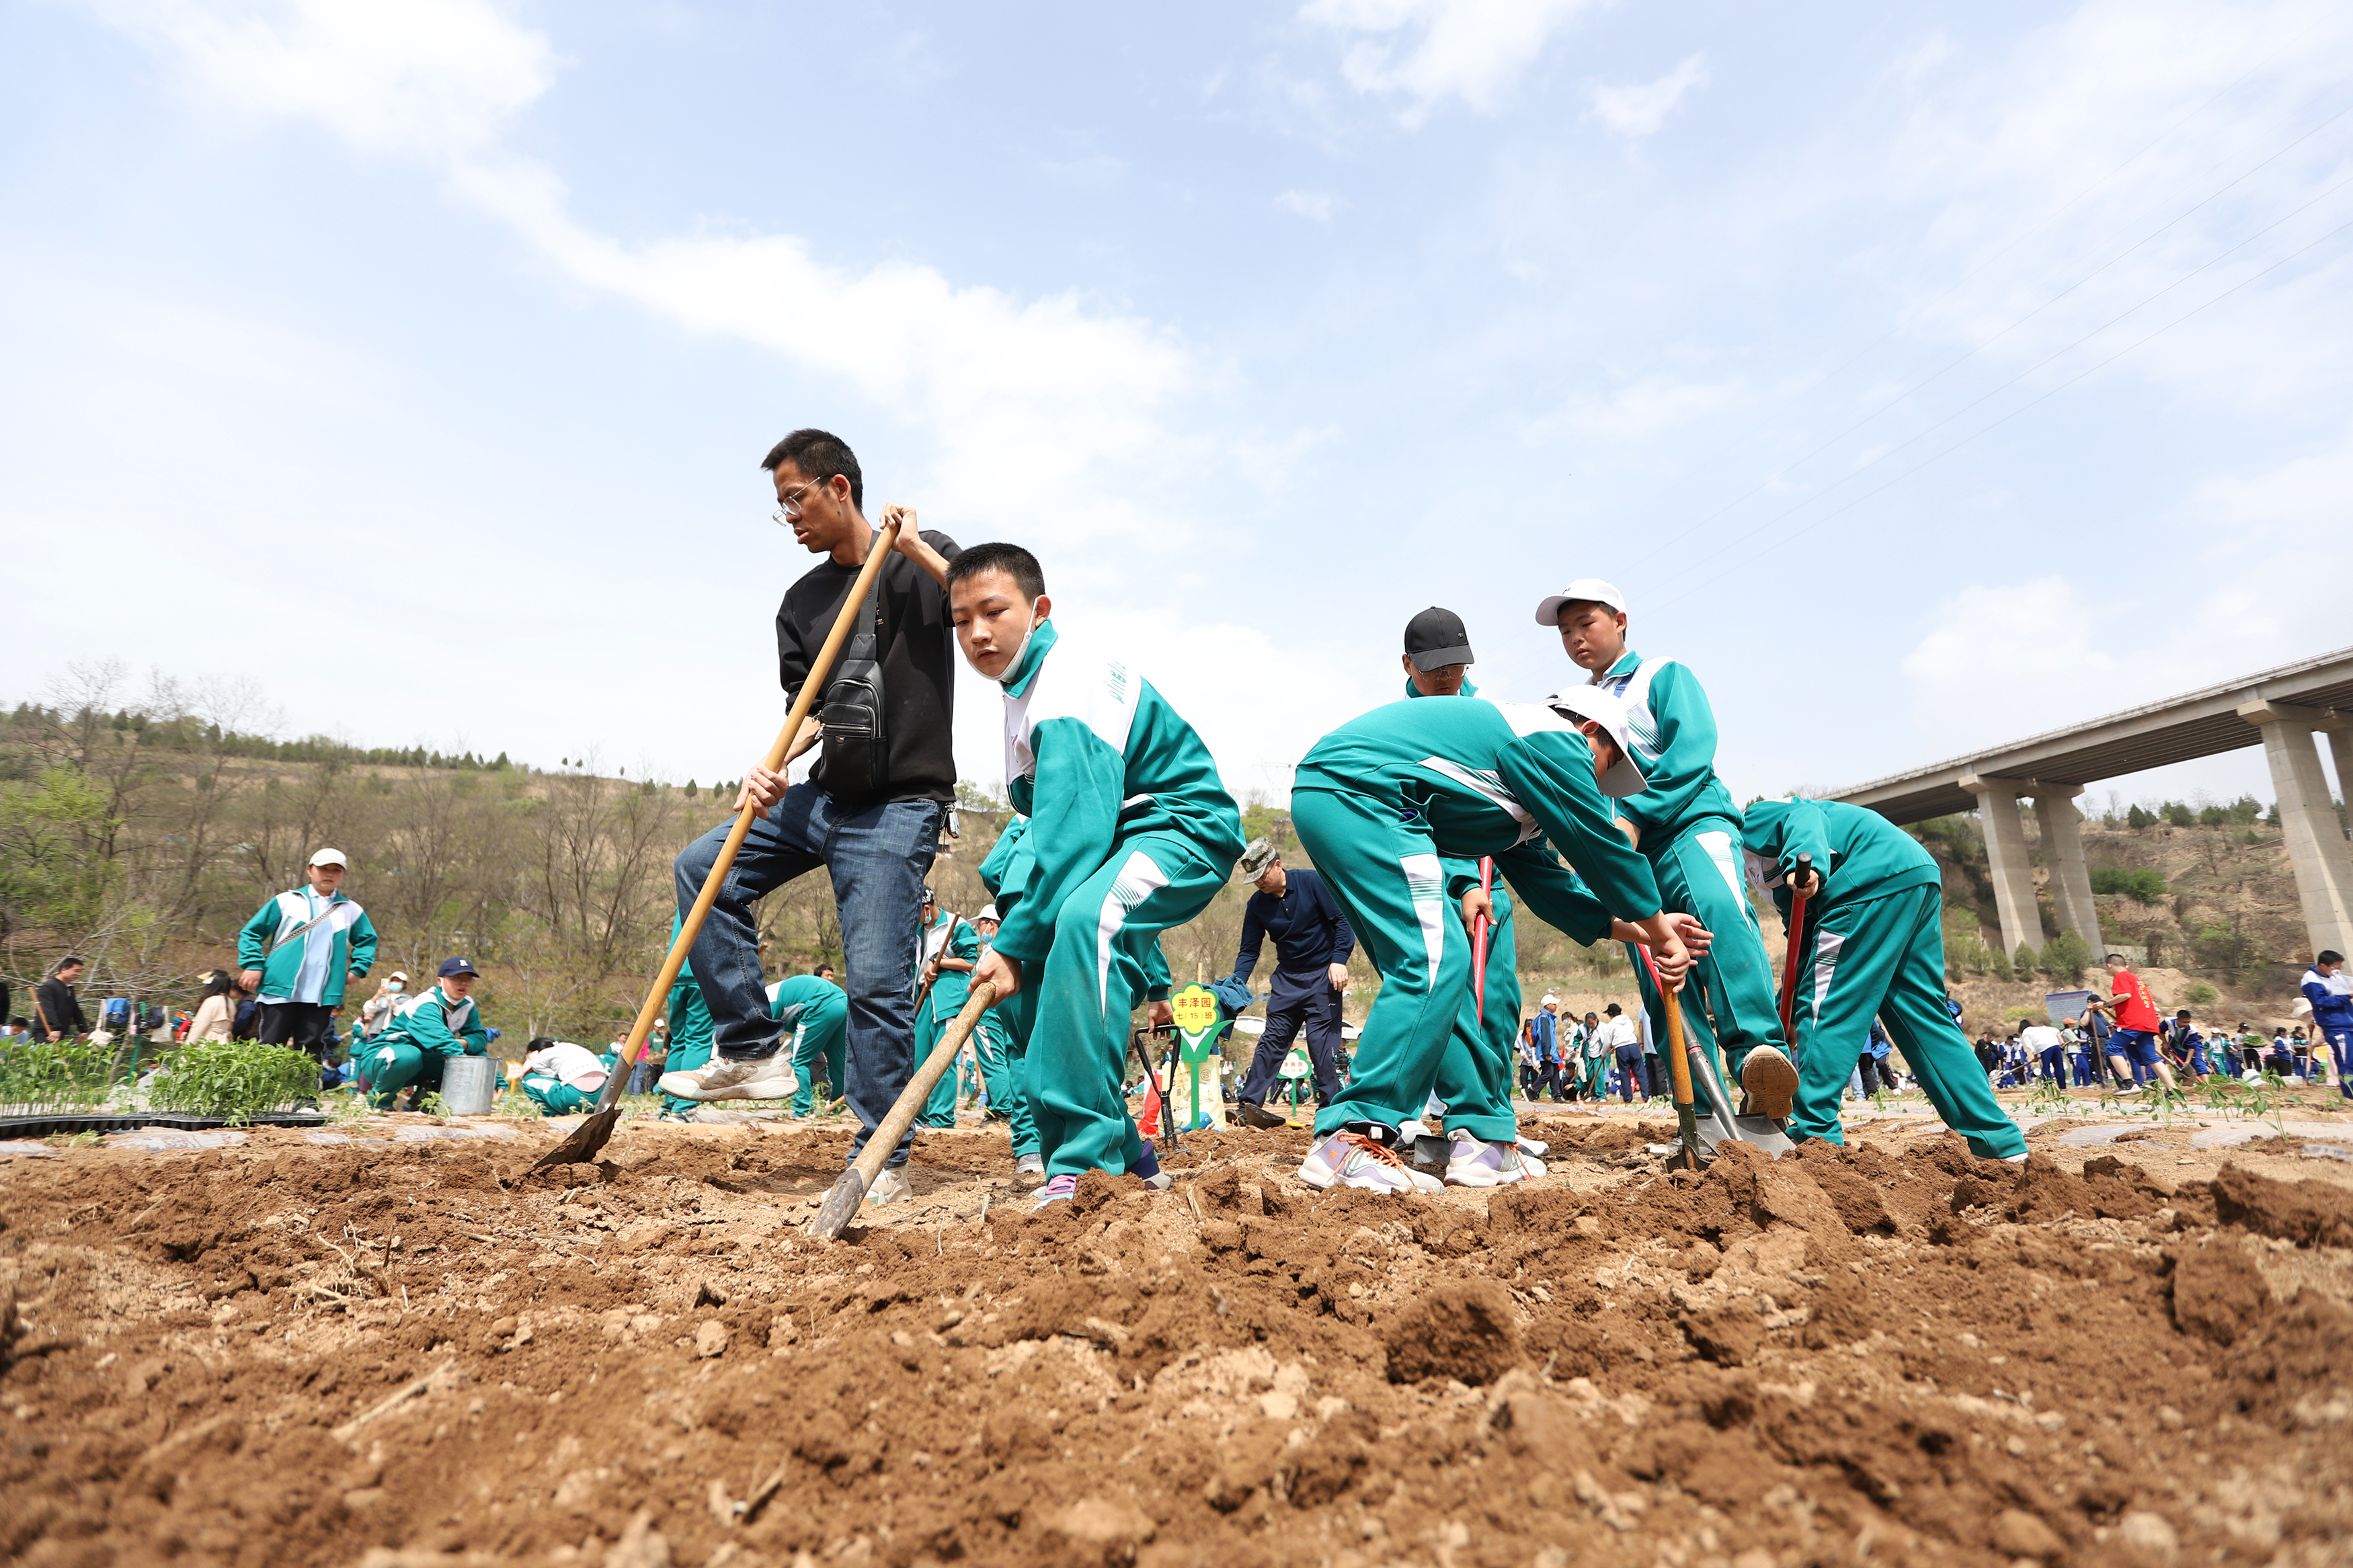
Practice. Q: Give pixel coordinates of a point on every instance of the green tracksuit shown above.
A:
(1380, 801)
(1691, 834)
(426, 1031)
(947, 1000)
(1875, 939)
(819, 1011)
(1004, 1061)
(1132, 833)
(1475, 1075)
(306, 947)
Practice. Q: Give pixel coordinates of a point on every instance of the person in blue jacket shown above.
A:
(2330, 990)
(1311, 944)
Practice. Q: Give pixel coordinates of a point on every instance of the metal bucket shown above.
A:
(467, 1084)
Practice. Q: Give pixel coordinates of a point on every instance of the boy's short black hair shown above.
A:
(819, 454)
(2328, 955)
(69, 962)
(2114, 958)
(1011, 559)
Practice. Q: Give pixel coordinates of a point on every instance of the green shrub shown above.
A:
(1996, 964)
(2137, 819)
(2066, 958)
(2178, 814)
(236, 1080)
(2142, 886)
(2198, 993)
(2023, 963)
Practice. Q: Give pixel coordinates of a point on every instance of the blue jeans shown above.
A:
(878, 857)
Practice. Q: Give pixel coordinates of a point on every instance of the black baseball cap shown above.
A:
(1435, 638)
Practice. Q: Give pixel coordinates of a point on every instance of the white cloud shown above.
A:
(1640, 109)
(434, 76)
(1645, 407)
(1318, 205)
(1049, 388)
(1426, 50)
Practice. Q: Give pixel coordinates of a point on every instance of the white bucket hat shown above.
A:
(1608, 709)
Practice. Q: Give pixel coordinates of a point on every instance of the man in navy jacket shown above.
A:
(1312, 943)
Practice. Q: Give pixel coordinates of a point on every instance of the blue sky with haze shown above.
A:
(1928, 375)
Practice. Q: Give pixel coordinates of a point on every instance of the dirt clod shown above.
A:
(1465, 1330)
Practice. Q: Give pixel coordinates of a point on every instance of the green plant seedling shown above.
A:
(236, 1080)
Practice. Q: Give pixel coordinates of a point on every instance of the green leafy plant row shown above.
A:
(236, 1080)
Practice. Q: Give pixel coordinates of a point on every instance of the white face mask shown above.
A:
(1015, 662)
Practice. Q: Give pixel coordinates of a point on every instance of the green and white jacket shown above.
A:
(1858, 854)
(1461, 876)
(432, 1021)
(306, 946)
(1094, 755)
(1674, 732)
(951, 986)
(1493, 778)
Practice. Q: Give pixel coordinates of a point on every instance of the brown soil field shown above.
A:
(402, 1354)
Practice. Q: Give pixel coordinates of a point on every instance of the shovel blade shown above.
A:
(840, 1205)
(1760, 1131)
(586, 1142)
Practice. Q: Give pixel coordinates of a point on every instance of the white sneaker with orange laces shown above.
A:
(1354, 1160)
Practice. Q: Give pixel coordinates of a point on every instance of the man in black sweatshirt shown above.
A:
(58, 1010)
(1311, 944)
(869, 814)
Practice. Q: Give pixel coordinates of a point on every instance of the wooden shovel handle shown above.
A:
(885, 540)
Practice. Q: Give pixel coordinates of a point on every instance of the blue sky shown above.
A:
(1927, 376)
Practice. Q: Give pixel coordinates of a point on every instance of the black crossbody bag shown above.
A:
(857, 744)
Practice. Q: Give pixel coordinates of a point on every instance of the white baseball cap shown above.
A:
(1549, 1000)
(988, 912)
(1608, 709)
(330, 858)
(1593, 588)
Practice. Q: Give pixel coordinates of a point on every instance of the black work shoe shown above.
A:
(1259, 1116)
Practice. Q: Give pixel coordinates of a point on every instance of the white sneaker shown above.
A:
(724, 1077)
(1476, 1163)
(891, 1187)
(1353, 1160)
(1534, 1146)
(1029, 1165)
(1771, 1080)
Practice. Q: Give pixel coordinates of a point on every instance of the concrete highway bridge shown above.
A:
(2283, 710)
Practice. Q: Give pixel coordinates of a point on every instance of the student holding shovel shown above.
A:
(871, 810)
(1874, 946)
(1686, 825)
(1131, 832)
(951, 947)
(1477, 1069)
(1380, 804)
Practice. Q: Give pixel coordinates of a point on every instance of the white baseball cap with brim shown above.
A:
(1608, 709)
(988, 912)
(1592, 588)
(330, 858)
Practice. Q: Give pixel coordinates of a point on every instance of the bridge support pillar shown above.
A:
(2070, 875)
(2013, 874)
(2315, 843)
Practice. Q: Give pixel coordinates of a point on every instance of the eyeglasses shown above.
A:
(790, 512)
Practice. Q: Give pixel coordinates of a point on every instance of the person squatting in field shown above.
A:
(1131, 832)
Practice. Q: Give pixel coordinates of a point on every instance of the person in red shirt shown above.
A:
(2132, 1045)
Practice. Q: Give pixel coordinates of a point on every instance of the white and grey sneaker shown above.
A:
(1354, 1160)
(1476, 1163)
(891, 1187)
(1770, 1080)
(1029, 1165)
(728, 1077)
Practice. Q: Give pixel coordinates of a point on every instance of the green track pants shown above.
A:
(1700, 873)
(1392, 887)
(1002, 1071)
(689, 1038)
(1475, 1075)
(1885, 958)
(816, 1054)
(556, 1097)
(1073, 1015)
(939, 1111)
(410, 1066)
